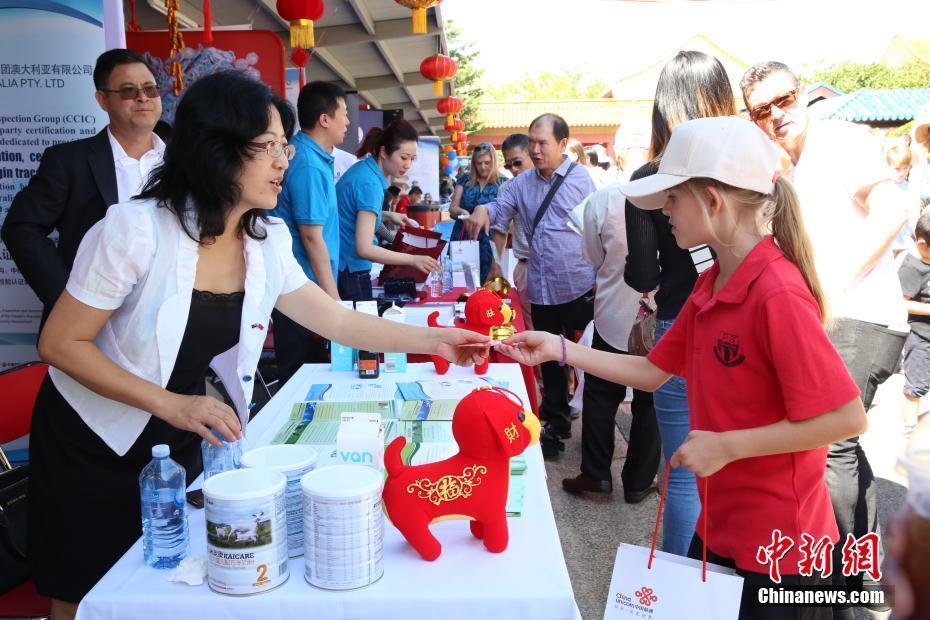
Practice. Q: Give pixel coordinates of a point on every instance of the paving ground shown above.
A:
(591, 528)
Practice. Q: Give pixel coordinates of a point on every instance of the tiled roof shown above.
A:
(875, 105)
(576, 112)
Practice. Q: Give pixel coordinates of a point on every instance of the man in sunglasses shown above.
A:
(77, 181)
(516, 151)
(852, 212)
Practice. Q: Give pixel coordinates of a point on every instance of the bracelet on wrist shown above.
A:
(564, 359)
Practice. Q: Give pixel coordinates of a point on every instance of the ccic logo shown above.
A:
(646, 596)
(727, 350)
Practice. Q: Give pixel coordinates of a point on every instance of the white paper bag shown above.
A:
(672, 589)
(465, 252)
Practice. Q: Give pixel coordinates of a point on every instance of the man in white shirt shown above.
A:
(852, 213)
(77, 181)
(605, 247)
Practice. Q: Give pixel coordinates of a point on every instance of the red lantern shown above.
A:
(301, 14)
(438, 68)
(450, 106)
(300, 57)
(419, 12)
(458, 127)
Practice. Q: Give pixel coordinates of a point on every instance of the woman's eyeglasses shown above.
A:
(132, 92)
(764, 111)
(276, 148)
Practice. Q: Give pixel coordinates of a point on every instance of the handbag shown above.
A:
(643, 333)
(417, 241)
(14, 565)
(662, 586)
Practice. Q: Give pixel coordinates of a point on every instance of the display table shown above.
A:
(528, 580)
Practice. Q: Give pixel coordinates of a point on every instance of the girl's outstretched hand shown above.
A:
(532, 348)
(703, 453)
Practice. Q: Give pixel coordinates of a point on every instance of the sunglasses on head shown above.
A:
(132, 92)
(764, 111)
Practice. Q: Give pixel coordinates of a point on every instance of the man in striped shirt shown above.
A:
(559, 281)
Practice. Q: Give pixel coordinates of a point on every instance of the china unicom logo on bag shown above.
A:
(641, 603)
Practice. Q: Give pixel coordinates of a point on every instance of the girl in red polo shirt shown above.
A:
(768, 393)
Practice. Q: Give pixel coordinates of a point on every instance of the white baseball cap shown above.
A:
(728, 149)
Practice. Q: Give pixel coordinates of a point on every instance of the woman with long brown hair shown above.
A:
(692, 85)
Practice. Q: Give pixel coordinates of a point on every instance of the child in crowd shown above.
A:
(767, 391)
(898, 158)
(915, 284)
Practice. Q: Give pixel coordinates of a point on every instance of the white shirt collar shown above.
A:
(119, 153)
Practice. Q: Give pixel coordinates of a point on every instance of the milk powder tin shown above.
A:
(293, 461)
(246, 531)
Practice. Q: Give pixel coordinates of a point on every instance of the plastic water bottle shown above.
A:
(165, 539)
(446, 275)
(435, 284)
(217, 459)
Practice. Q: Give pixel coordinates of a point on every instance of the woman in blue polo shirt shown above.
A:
(360, 195)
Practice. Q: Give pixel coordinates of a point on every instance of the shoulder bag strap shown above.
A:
(548, 199)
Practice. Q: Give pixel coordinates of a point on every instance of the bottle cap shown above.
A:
(161, 451)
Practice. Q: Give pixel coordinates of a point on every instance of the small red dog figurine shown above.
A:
(484, 311)
(490, 428)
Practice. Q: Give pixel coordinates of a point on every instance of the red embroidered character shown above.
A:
(861, 556)
(773, 554)
(817, 555)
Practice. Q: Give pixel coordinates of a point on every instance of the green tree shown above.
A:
(468, 76)
(571, 83)
(848, 76)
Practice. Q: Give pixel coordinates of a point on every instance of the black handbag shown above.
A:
(14, 565)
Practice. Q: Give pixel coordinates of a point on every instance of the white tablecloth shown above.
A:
(528, 580)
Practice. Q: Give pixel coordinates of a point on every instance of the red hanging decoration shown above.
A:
(207, 24)
(457, 128)
(133, 24)
(438, 68)
(300, 57)
(176, 44)
(301, 14)
(450, 106)
(419, 12)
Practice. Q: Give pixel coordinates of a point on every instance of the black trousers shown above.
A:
(295, 345)
(870, 353)
(749, 607)
(563, 319)
(601, 399)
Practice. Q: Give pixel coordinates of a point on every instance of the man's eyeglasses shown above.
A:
(132, 92)
(513, 163)
(764, 111)
(276, 148)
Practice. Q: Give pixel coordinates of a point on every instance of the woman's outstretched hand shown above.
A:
(461, 346)
(532, 348)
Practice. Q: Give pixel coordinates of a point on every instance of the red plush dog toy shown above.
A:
(484, 311)
(490, 428)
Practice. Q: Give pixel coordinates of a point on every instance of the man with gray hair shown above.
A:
(560, 282)
(852, 213)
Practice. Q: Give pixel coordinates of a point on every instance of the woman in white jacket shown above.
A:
(182, 278)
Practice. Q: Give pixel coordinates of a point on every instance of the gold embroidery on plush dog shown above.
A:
(448, 488)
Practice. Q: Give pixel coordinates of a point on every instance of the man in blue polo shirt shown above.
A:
(307, 205)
